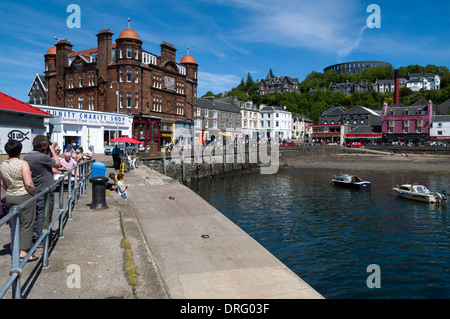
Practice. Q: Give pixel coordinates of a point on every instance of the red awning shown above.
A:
(126, 139)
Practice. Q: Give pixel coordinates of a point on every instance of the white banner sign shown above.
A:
(22, 134)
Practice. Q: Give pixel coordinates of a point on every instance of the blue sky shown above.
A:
(229, 38)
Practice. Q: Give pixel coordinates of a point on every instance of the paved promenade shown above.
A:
(183, 248)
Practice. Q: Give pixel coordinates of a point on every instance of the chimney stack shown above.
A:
(397, 88)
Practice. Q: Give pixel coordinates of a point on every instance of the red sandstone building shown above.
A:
(158, 91)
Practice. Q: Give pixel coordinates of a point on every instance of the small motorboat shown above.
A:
(420, 193)
(351, 181)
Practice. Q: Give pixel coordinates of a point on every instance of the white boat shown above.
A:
(420, 193)
(351, 181)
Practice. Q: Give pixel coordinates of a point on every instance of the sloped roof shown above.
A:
(444, 108)
(8, 103)
(413, 110)
(366, 129)
(358, 108)
(440, 118)
(337, 110)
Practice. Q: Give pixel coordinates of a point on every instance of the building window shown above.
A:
(136, 76)
(136, 54)
(198, 123)
(80, 80)
(128, 52)
(206, 112)
(128, 100)
(70, 81)
(199, 112)
(91, 79)
(136, 100)
(128, 74)
(91, 102)
(121, 100)
(80, 102)
(121, 75)
(70, 101)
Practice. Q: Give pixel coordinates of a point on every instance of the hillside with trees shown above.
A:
(311, 105)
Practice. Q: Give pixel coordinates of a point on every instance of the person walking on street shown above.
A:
(41, 165)
(116, 157)
(16, 180)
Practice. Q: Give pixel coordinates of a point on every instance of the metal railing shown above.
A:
(76, 185)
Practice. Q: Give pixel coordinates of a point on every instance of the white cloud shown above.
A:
(316, 25)
(216, 83)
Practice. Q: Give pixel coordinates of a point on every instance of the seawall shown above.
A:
(190, 167)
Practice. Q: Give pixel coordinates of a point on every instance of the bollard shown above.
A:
(98, 192)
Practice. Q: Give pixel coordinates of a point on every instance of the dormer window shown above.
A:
(420, 111)
(391, 112)
(94, 57)
(406, 112)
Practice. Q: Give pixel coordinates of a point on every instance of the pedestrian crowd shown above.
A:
(22, 179)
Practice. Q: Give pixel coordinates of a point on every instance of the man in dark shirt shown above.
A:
(41, 163)
(116, 157)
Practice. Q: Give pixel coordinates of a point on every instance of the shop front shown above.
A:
(331, 134)
(86, 128)
(148, 130)
(184, 134)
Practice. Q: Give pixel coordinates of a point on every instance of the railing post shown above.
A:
(61, 207)
(15, 254)
(46, 230)
(164, 164)
(69, 196)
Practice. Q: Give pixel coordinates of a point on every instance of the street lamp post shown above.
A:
(117, 117)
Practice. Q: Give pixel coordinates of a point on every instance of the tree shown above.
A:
(249, 83)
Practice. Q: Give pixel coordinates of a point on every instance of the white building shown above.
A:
(250, 119)
(301, 127)
(426, 81)
(440, 128)
(86, 128)
(276, 122)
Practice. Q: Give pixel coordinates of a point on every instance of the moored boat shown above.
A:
(420, 193)
(351, 181)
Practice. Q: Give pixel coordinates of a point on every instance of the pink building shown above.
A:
(406, 124)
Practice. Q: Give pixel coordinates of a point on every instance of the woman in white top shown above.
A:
(15, 179)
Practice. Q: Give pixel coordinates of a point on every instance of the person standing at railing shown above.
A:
(16, 180)
(41, 165)
(67, 163)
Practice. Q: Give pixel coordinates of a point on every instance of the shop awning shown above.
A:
(126, 139)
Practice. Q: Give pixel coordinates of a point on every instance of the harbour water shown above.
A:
(330, 235)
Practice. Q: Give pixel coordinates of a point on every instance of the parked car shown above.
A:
(290, 144)
(131, 148)
(438, 144)
(357, 144)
